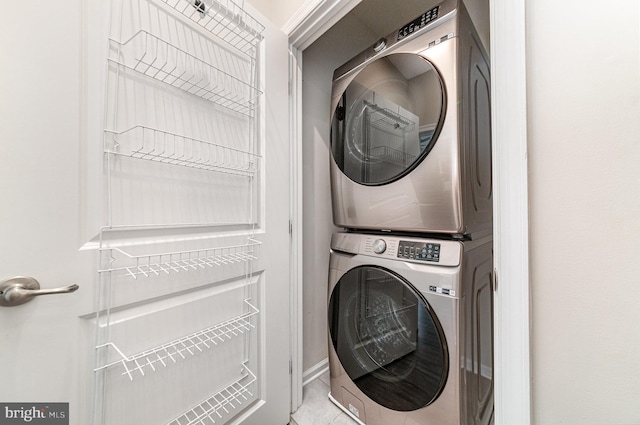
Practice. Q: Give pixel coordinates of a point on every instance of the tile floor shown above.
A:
(316, 408)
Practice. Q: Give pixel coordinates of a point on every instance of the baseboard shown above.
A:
(315, 371)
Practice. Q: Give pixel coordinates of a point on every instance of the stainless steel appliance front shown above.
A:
(410, 136)
(411, 335)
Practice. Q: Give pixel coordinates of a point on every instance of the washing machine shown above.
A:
(410, 329)
(411, 132)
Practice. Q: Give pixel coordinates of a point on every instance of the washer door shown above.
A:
(388, 339)
(388, 119)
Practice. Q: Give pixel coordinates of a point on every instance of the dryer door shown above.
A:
(387, 338)
(388, 119)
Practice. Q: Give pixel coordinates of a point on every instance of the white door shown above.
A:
(164, 199)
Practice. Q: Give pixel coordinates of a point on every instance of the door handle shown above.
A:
(21, 289)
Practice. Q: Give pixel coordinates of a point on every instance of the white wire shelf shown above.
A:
(181, 348)
(156, 58)
(152, 144)
(221, 403)
(157, 264)
(225, 19)
(388, 120)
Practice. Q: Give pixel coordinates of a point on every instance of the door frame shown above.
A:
(511, 221)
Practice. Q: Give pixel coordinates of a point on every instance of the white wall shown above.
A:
(277, 11)
(583, 65)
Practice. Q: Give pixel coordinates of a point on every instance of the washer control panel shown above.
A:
(413, 250)
(433, 252)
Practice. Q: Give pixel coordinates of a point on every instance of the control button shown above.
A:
(379, 246)
(380, 45)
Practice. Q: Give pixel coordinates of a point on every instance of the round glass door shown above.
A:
(388, 119)
(388, 339)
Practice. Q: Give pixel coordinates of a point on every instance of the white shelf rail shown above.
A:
(157, 145)
(225, 19)
(156, 264)
(154, 57)
(180, 348)
(221, 403)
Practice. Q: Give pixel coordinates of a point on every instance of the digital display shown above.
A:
(418, 23)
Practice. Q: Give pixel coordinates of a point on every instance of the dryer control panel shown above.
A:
(418, 23)
(419, 250)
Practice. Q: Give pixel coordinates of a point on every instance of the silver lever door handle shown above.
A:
(21, 289)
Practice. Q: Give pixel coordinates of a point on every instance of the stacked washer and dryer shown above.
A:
(410, 278)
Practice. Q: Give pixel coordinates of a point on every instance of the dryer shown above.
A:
(410, 323)
(411, 132)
